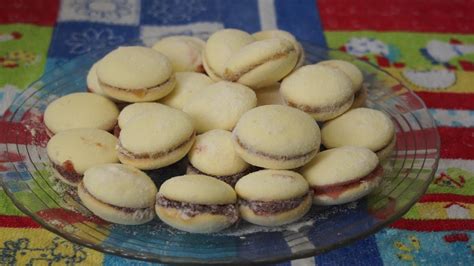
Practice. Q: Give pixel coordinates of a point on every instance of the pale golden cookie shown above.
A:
(321, 91)
(135, 74)
(276, 137)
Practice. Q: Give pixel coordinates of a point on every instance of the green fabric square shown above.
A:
(405, 47)
(23, 52)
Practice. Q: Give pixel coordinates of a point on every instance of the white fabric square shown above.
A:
(151, 34)
(119, 12)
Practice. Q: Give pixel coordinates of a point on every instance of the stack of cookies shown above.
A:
(242, 110)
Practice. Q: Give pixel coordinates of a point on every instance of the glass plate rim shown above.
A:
(275, 259)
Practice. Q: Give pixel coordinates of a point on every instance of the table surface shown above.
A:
(429, 47)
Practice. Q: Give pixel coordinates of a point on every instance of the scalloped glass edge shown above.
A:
(88, 59)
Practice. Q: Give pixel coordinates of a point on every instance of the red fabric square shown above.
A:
(455, 16)
(40, 12)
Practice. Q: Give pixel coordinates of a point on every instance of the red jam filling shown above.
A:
(335, 190)
(67, 171)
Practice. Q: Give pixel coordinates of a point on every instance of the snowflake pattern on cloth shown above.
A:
(151, 34)
(122, 12)
(165, 12)
(91, 39)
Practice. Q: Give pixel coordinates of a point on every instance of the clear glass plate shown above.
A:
(27, 179)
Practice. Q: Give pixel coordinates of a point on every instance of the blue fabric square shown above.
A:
(176, 12)
(362, 252)
(71, 39)
(241, 14)
(300, 18)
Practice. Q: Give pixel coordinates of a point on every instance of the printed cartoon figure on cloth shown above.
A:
(59, 252)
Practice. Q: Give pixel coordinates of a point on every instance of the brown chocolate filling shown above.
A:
(273, 156)
(122, 209)
(273, 206)
(138, 92)
(334, 190)
(117, 130)
(193, 209)
(67, 171)
(312, 109)
(237, 76)
(156, 155)
(229, 179)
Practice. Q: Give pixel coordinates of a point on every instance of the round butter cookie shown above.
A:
(276, 137)
(156, 139)
(236, 56)
(273, 197)
(72, 152)
(342, 175)
(197, 204)
(80, 110)
(321, 91)
(118, 193)
(135, 74)
(361, 127)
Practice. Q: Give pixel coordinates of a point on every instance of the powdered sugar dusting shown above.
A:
(315, 216)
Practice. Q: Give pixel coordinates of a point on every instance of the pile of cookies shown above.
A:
(245, 113)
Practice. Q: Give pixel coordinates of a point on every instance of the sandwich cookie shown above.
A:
(118, 193)
(342, 175)
(156, 139)
(356, 76)
(80, 110)
(361, 127)
(276, 137)
(213, 154)
(135, 74)
(134, 110)
(321, 91)
(268, 34)
(72, 152)
(197, 204)
(220, 105)
(184, 52)
(273, 197)
(236, 56)
(220, 47)
(187, 83)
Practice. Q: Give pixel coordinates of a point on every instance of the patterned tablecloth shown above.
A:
(427, 44)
